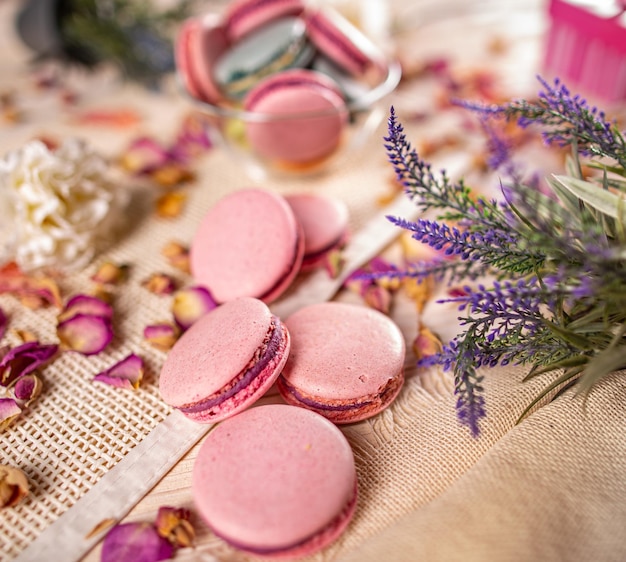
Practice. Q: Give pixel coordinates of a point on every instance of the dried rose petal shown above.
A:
(173, 524)
(334, 262)
(4, 322)
(426, 344)
(172, 175)
(191, 304)
(135, 542)
(144, 155)
(171, 204)
(85, 333)
(193, 138)
(26, 389)
(126, 373)
(9, 410)
(100, 527)
(177, 255)
(161, 336)
(160, 284)
(419, 290)
(13, 486)
(25, 335)
(86, 305)
(117, 118)
(110, 273)
(33, 290)
(377, 298)
(24, 359)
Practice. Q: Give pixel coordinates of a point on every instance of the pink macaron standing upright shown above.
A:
(324, 221)
(343, 43)
(225, 362)
(300, 117)
(244, 16)
(346, 361)
(248, 244)
(199, 44)
(276, 481)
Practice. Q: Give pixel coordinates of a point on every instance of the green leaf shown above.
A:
(602, 364)
(574, 361)
(593, 195)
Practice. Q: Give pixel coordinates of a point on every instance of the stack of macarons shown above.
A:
(295, 68)
(253, 242)
(279, 480)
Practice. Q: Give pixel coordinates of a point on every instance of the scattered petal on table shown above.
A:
(191, 304)
(9, 411)
(334, 262)
(24, 359)
(34, 290)
(127, 373)
(85, 333)
(160, 284)
(173, 524)
(162, 336)
(25, 389)
(13, 486)
(144, 155)
(100, 527)
(118, 118)
(110, 273)
(177, 255)
(171, 204)
(426, 344)
(87, 305)
(135, 542)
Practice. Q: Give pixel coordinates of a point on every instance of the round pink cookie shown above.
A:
(244, 16)
(248, 244)
(225, 361)
(342, 42)
(346, 361)
(276, 481)
(306, 116)
(324, 222)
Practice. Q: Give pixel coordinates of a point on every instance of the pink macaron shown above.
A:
(300, 117)
(243, 16)
(249, 244)
(346, 361)
(200, 42)
(343, 43)
(225, 361)
(324, 222)
(276, 481)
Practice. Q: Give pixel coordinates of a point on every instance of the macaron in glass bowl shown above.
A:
(286, 88)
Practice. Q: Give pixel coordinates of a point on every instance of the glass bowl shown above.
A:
(230, 127)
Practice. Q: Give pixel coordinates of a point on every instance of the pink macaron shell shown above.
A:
(346, 361)
(248, 244)
(182, 55)
(244, 16)
(220, 347)
(324, 221)
(206, 45)
(317, 116)
(343, 43)
(276, 480)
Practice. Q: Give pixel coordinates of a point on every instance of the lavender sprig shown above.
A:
(559, 299)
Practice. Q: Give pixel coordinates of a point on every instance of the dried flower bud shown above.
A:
(171, 204)
(25, 389)
(160, 284)
(13, 486)
(426, 344)
(173, 524)
(177, 255)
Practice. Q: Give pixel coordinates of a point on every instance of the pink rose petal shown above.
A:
(135, 542)
(85, 333)
(161, 336)
(9, 410)
(191, 304)
(86, 304)
(144, 155)
(127, 373)
(4, 321)
(24, 359)
(35, 290)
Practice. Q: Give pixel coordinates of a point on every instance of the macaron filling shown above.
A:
(343, 411)
(249, 380)
(308, 545)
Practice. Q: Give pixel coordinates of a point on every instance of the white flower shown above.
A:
(59, 203)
